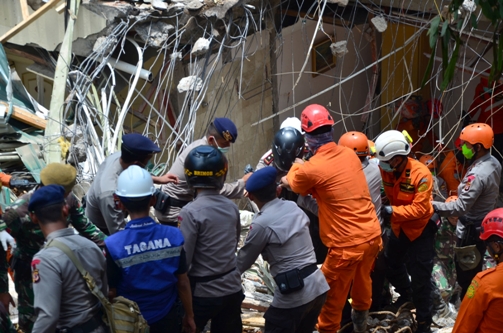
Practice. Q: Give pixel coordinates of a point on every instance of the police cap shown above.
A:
(139, 145)
(46, 196)
(226, 129)
(261, 178)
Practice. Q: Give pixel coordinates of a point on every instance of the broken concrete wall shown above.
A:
(49, 29)
(348, 98)
(255, 103)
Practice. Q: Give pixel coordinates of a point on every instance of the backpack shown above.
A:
(121, 315)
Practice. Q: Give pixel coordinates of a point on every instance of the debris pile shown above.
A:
(387, 322)
(258, 285)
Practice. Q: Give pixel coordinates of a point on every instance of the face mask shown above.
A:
(386, 166)
(223, 150)
(467, 152)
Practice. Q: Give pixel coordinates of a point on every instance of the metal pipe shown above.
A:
(125, 107)
(131, 69)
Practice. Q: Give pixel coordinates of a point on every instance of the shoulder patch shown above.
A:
(34, 271)
(423, 187)
(468, 183)
(424, 180)
(472, 289)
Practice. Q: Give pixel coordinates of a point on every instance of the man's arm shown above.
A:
(185, 295)
(255, 242)
(82, 224)
(298, 180)
(188, 227)
(472, 188)
(309, 203)
(114, 218)
(114, 274)
(47, 289)
(234, 190)
(5, 297)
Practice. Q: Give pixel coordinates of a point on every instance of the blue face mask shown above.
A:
(385, 166)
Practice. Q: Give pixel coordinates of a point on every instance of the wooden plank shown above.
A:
(29, 20)
(24, 9)
(25, 55)
(26, 117)
(249, 303)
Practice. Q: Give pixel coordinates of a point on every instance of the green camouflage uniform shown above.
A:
(444, 269)
(29, 240)
(6, 324)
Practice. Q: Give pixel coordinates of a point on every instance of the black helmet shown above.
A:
(288, 144)
(205, 167)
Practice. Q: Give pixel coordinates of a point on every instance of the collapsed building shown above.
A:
(76, 75)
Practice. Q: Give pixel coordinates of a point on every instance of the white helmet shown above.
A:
(292, 122)
(390, 144)
(135, 182)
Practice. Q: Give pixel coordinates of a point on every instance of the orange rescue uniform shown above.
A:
(480, 311)
(348, 227)
(410, 198)
(452, 171)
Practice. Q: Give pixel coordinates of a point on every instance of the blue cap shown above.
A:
(226, 129)
(139, 145)
(261, 178)
(46, 196)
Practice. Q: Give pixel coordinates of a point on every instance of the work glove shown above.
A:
(6, 240)
(386, 212)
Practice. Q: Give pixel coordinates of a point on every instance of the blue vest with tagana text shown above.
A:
(148, 255)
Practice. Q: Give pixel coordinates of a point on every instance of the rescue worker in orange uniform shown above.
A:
(480, 310)
(408, 185)
(453, 169)
(348, 223)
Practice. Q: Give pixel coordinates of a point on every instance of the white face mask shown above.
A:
(223, 150)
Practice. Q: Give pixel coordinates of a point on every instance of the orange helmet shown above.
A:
(478, 133)
(372, 148)
(451, 198)
(492, 225)
(314, 116)
(429, 161)
(356, 141)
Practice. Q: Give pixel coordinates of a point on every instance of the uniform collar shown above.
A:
(480, 159)
(141, 222)
(208, 192)
(269, 204)
(60, 233)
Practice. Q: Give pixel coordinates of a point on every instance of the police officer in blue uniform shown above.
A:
(146, 261)
(101, 207)
(211, 227)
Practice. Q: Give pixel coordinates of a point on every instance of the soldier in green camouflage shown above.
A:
(6, 325)
(29, 238)
(444, 268)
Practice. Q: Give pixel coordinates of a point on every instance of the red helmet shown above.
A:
(492, 224)
(314, 116)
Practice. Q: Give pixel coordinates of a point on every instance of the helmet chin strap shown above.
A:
(493, 254)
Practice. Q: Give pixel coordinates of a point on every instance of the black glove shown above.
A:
(21, 183)
(386, 212)
(248, 169)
